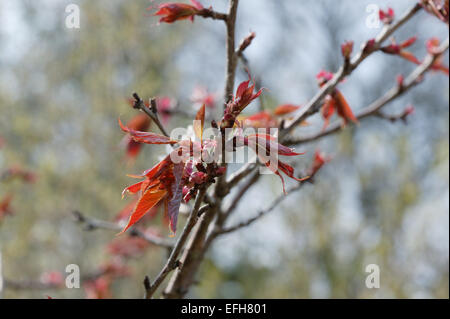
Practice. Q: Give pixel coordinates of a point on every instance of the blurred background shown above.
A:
(383, 199)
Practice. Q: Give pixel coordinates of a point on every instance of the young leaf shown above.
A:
(146, 137)
(199, 122)
(285, 109)
(149, 199)
(343, 108)
(328, 109)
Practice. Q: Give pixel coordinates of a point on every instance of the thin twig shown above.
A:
(151, 112)
(373, 109)
(262, 213)
(231, 54)
(241, 192)
(93, 224)
(209, 13)
(312, 106)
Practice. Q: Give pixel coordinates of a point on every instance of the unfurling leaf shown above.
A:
(244, 96)
(172, 12)
(163, 182)
(327, 110)
(267, 149)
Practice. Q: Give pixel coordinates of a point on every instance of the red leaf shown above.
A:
(5, 206)
(261, 120)
(133, 189)
(146, 137)
(242, 87)
(328, 109)
(319, 160)
(140, 122)
(437, 66)
(409, 56)
(343, 108)
(285, 109)
(149, 198)
(269, 143)
(288, 170)
(172, 12)
(199, 122)
(126, 211)
(408, 42)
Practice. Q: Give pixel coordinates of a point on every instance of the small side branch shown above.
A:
(93, 224)
(261, 213)
(374, 108)
(313, 105)
(152, 112)
(209, 13)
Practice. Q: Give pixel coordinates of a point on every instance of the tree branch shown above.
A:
(373, 109)
(172, 262)
(313, 105)
(231, 55)
(193, 255)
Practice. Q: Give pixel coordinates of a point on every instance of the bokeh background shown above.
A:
(383, 199)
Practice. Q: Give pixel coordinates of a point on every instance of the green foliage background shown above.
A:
(60, 97)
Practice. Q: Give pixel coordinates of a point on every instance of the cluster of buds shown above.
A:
(244, 96)
(438, 8)
(194, 180)
(369, 46)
